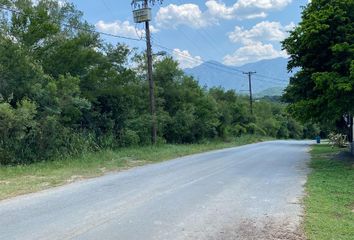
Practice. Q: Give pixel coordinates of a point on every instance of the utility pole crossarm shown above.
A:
(250, 88)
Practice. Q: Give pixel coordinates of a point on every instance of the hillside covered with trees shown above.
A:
(64, 91)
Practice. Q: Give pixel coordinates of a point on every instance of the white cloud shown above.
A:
(262, 4)
(245, 9)
(191, 15)
(220, 10)
(254, 48)
(60, 2)
(252, 53)
(270, 31)
(185, 59)
(185, 14)
(122, 28)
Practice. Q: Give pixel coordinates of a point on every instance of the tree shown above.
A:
(63, 91)
(322, 47)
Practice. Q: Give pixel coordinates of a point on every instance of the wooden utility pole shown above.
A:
(142, 14)
(250, 89)
(151, 80)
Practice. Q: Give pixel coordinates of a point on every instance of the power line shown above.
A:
(216, 66)
(106, 34)
(230, 70)
(221, 67)
(109, 9)
(265, 76)
(269, 79)
(204, 34)
(77, 27)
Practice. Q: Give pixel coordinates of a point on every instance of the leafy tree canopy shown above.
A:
(322, 47)
(64, 91)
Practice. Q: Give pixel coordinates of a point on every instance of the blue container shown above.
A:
(318, 139)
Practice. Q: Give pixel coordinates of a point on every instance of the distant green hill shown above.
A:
(274, 91)
(271, 78)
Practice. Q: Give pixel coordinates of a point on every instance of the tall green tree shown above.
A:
(321, 47)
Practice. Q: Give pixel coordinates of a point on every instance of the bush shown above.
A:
(338, 140)
(238, 130)
(16, 128)
(24, 139)
(253, 128)
(129, 138)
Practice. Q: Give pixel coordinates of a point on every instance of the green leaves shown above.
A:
(63, 91)
(323, 47)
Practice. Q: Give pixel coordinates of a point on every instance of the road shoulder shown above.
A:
(25, 179)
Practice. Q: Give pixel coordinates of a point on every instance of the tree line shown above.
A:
(64, 90)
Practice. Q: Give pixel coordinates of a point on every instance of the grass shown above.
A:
(330, 201)
(17, 180)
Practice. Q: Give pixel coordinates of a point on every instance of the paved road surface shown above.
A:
(249, 192)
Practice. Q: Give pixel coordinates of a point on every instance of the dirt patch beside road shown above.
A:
(265, 229)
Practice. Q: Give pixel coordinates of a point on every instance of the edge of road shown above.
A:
(88, 180)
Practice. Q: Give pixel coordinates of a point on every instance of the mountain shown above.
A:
(274, 91)
(271, 78)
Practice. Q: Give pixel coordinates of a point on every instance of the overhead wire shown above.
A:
(205, 35)
(209, 63)
(77, 27)
(106, 5)
(172, 51)
(273, 78)
(269, 79)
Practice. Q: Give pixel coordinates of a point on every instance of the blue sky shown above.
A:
(233, 32)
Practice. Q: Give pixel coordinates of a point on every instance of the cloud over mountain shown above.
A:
(251, 53)
(185, 59)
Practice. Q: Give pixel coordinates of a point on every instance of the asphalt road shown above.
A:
(248, 192)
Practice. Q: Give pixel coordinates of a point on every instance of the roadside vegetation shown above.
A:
(330, 195)
(65, 91)
(321, 48)
(22, 179)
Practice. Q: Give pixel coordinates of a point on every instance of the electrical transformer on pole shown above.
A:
(142, 14)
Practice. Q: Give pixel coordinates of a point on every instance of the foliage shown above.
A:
(322, 46)
(64, 91)
(337, 140)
